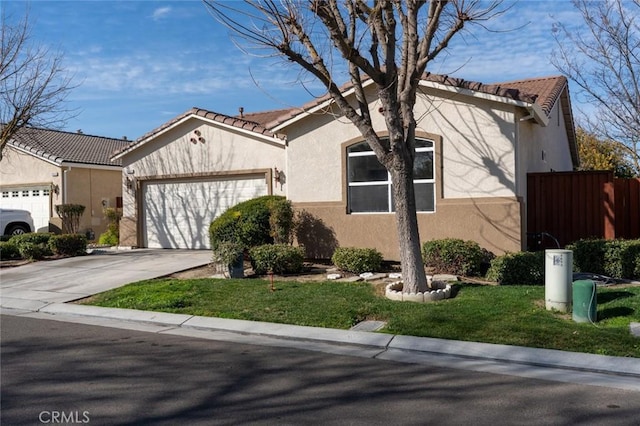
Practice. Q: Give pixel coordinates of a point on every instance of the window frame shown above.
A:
(369, 152)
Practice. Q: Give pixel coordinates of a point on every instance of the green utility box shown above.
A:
(585, 301)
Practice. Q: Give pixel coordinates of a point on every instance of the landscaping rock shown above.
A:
(368, 276)
(635, 328)
(333, 276)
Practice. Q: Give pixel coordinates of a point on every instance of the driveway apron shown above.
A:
(57, 281)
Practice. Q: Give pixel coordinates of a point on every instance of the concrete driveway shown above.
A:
(38, 284)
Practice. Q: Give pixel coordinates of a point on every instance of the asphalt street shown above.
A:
(53, 370)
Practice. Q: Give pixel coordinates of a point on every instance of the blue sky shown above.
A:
(138, 64)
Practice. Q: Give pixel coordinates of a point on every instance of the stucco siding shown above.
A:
(478, 148)
(191, 151)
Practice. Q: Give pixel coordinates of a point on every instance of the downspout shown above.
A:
(64, 185)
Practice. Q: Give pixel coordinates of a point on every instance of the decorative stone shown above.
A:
(333, 276)
(366, 275)
(413, 297)
(395, 275)
(439, 290)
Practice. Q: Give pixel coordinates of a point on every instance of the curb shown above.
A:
(534, 357)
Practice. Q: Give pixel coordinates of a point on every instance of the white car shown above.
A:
(15, 222)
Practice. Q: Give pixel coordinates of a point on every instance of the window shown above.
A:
(45, 192)
(5, 194)
(370, 188)
(35, 193)
(25, 193)
(15, 193)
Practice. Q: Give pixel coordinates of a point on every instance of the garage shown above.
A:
(34, 199)
(177, 214)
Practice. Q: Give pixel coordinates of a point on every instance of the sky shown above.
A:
(138, 64)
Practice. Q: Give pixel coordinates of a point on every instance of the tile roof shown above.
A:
(241, 123)
(59, 146)
(542, 91)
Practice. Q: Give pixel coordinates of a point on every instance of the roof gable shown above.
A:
(65, 147)
(539, 93)
(251, 123)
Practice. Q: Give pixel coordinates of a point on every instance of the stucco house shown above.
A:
(42, 168)
(476, 144)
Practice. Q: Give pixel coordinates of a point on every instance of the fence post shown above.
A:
(609, 211)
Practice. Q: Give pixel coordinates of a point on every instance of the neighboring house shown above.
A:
(475, 145)
(43, 168)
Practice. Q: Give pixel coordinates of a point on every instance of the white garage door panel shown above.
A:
(34, 200)
(178, 214)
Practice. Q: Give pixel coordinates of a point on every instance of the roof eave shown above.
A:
(270, 139)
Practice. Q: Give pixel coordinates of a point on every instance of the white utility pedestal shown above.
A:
(558, 276)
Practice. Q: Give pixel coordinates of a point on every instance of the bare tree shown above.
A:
(33, 83)
(603, 59)
(387, 44)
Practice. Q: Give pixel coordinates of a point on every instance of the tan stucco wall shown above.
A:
(89, 187)
(475, 176)
(478, 152)
(225, 152)
(74, 184)
(492, 222)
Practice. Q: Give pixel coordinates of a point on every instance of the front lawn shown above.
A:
(512, 315)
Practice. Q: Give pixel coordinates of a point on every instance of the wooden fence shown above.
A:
(572, 205)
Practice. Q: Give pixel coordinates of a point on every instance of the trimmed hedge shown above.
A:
(455, 256)
(250, 223)
(613, 258)
(524, 268)
(8, 251)
(357, 260)
(33, 245)
(68, 244)
(277, 258)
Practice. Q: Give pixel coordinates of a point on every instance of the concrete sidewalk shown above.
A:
(29, 293)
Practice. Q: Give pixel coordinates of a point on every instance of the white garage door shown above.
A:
(178, 214)
(33, 199)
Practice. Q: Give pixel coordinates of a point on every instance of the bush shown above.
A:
(68, 244)
(589, 256)
(8, 251)
(109, 238)
(32, 245)
(357, 260)
(70, 215)
(524, 268)
(277, 258)
(31, 251)
(247, 223)
(614, 258)
(455, 256)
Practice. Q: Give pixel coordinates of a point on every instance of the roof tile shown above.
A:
(59, 146)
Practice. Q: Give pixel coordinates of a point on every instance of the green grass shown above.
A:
(512, 315)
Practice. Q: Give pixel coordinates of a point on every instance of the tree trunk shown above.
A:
(413, 274)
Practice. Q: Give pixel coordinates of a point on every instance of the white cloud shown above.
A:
(161, 13)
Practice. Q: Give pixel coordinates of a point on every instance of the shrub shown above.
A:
(455, 256)
(246, 223)
(31, 251)
(109, 238)
(8, 250)
(281, 220)
(32, 245)
(68, 244)
(357, 260)
(524, 268)
(70, 215)
(277, 258)
(614, 258)
(589, 256)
